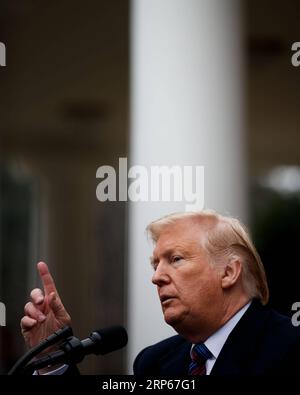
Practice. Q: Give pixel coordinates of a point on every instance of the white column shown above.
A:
(186, 109)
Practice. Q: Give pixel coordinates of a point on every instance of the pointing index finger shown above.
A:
(47, 280)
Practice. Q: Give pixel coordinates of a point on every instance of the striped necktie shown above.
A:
(200, 354)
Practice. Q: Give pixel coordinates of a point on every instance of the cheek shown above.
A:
(199, 287)
(190, 290)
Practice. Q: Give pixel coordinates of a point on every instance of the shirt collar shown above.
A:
(217, 340)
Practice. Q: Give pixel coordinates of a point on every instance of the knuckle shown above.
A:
(35, 292)
(27, 307)
(22, 322)
(25, 323)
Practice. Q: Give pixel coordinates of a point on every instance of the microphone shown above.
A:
(105, 340)
(73, 350)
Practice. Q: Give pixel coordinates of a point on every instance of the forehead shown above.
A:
(184, 234)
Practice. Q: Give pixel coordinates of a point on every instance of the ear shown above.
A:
(231, 272)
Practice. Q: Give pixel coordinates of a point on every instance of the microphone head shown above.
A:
(109, 339)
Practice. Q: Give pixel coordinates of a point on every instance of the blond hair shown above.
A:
(224, 237)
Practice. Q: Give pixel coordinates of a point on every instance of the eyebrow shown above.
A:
(167, 253)
(153, 260)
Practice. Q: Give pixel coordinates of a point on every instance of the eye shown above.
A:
(176, 258)
(154, 266)
(153, 263)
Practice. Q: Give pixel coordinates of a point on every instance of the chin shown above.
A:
(178, 320)
(172, 318)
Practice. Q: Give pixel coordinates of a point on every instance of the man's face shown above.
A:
(189, 287)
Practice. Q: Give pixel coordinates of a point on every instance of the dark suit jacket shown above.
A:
(263, 343)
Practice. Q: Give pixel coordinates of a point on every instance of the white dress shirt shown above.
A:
(216, 341)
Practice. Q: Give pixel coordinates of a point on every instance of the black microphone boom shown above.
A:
(73, 350)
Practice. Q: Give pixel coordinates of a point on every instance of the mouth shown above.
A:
(165, 299)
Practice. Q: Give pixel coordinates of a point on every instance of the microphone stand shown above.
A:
(20, 366)
(71, 352)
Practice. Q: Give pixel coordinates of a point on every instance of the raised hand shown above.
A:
(45, 313)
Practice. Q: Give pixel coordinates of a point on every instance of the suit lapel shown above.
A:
(238, 352)
(176, 362)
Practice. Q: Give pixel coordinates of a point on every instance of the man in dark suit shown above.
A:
(263, 343)
(213, 291)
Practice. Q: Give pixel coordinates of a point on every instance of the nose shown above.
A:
(161, 276)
